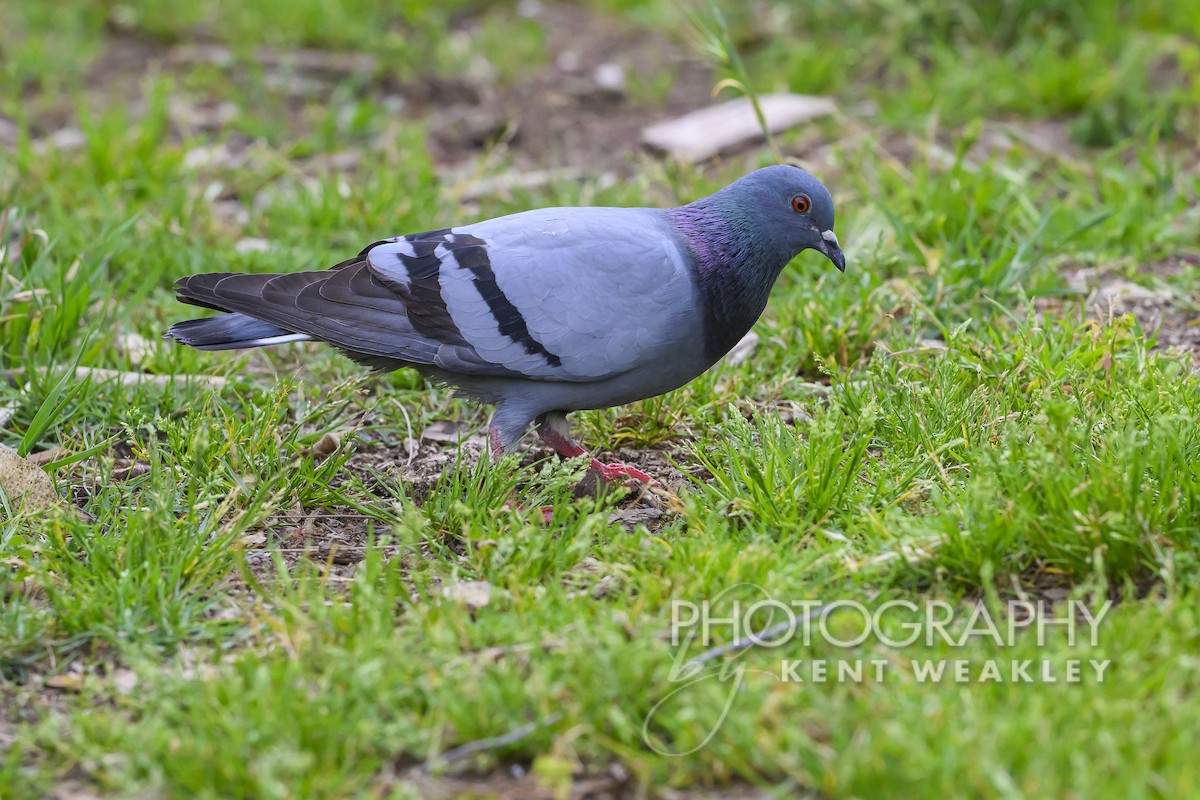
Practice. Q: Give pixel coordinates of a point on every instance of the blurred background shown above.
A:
(1105, 70)
(997, 397)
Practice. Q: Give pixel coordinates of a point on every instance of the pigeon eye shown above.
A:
(801, 204)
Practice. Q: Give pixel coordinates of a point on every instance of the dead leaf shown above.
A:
(22, 588)
(445, 432)
(326, 446)
(126, 468)
(44, 457)
(27, 295)
(70, 682)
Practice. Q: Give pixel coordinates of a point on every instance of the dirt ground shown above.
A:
(569, 115)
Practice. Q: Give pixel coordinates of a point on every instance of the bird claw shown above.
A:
(547, 511)
(553, 430)
(616, 472)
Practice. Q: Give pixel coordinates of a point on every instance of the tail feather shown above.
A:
(230, 332)
(344, 306)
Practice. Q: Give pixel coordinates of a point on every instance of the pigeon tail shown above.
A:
(231, 332)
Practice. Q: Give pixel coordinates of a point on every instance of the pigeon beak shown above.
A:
(833, 250)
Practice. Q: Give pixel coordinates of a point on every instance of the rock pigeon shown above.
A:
(546, 311)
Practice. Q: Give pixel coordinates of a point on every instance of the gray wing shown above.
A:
(556, 294)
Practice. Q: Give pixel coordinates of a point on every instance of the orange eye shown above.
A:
(801, 204)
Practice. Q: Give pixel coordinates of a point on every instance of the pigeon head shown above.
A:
(791, 209)
(741, 237)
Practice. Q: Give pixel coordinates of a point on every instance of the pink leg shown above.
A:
(548, 429)
(615, 471)
(494, 444)
(547, 511)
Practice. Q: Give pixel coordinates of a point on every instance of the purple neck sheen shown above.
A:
(735, 265)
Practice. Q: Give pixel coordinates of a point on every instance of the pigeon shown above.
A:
(546, 311)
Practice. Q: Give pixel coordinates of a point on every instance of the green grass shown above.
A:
(948, 421)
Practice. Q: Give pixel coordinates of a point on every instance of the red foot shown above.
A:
(612, 473)
(547, 511)
(616, 472)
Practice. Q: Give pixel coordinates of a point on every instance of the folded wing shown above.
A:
(555, 294)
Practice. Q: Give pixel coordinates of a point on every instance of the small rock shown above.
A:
(481, 70)
(529, 9)
(632, 517)
(283, 191)
(742, 350)
(610, 75)
(702, 134)
(1122, 293)
(202, 116)
(10, 134)
(589, 486)
(472, 595)
(135, 347)
(568, 61)
(252, 244)
(340, 553)
(124, 680)
(212, 192)
(7, 412)
(293, 84)
(506, 182)
(445, 432)
(231, 212)
(467, 126)
(64, 140)
(25, 484)
(217, 155)
(341, 161)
